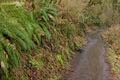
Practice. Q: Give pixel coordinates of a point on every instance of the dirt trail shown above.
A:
(91, 63)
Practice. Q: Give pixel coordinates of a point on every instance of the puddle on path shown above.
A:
(91, 63)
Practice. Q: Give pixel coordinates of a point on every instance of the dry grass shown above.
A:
(112, 38)
(70, 9)
(49, 59)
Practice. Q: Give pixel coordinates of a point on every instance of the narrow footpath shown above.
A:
(90, 64)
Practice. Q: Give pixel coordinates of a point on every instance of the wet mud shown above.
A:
(90, 62)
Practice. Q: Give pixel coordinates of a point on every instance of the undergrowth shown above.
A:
(111, 36)
(33, 46)
(113, 48)
(38, 37)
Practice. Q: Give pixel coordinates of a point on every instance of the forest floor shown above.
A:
(90, 63)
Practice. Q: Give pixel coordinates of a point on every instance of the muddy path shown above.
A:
(90, 64)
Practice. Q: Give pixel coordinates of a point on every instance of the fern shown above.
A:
(20, 31)
(3, 59)
(18, 28)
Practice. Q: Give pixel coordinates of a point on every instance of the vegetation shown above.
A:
(38, 37)
(35, 41)
(113, 55)
(112, 38)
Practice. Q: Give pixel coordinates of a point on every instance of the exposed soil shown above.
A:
(90, 64)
